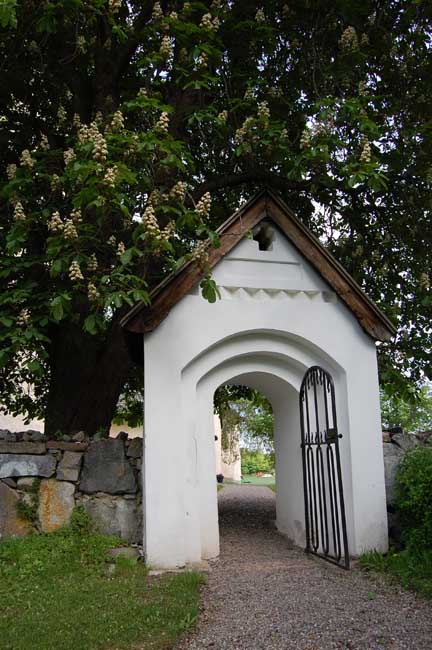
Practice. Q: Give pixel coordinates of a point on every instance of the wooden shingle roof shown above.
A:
(265, 205)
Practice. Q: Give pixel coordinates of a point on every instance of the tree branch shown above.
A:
(268, 179)
(129, 48)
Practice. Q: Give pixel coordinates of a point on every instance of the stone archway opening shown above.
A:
(244, 442)
(283, 398)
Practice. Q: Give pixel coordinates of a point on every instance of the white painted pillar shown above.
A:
(208, 507)
(164, 468)
(289, 477)
(369, 517)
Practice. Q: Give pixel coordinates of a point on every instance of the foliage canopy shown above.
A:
(130, 130)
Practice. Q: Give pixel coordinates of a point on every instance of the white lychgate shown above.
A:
(285, 305)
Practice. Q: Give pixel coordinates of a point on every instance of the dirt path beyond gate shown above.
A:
(264, 594)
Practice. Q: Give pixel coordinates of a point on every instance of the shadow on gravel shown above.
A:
(256, 508)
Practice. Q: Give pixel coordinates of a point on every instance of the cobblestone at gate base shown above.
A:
(264, 594)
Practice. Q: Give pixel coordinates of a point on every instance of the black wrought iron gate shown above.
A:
(326, 533)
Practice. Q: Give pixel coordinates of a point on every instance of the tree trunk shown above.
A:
(87, 377)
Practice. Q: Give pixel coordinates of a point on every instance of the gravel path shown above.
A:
(264, 594)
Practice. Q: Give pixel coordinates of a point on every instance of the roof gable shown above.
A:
(266, 206)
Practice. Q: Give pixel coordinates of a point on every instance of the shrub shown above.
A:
(414, 498)
(256, 461)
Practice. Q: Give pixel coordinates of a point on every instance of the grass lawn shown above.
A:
(57, 592)
(257, 480)
(413, 570)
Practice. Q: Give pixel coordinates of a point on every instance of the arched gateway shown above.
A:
(285, 305)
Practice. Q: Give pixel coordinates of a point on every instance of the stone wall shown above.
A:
(42, 480)
(49, 477)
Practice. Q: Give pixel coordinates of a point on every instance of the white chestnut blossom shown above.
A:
(26, 160)
(117, 122)
(263, 111)
(306, 139)
(166, 48)
(110, 176)
(112, 241)
(69, 156)
(167, 232)
(19, 214)
(150, 222)
(364, 40)
(154, 198)
(178, 191)
(91, 134)
(61, 115)
(204, 205)
(81, 44)
(44, 144)
(362, 88)
(55, 182)
(206, 21)
(157, 11)
(349, 41)
(114, 5)
(243, 132)
(69, 230)
(223, 116)
(92, 293)
(202, 60)
(55, 224)
(365, 156)
(76, 215)
(23, 317)
(11, 171)
(121, 248)
(260, 16)
(424, 281)
(92, 264)
(162, 124)
(200, 253)
(75, 271)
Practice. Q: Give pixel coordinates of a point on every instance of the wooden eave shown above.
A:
(265, 205)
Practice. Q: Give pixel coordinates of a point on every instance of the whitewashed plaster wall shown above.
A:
(276, 318)
(16, 423)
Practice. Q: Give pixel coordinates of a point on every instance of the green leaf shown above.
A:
(209, 289)
(36, 367)
(8, 13)
(90, 324)
(126, 257)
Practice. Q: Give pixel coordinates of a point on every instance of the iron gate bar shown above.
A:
(322, 478)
